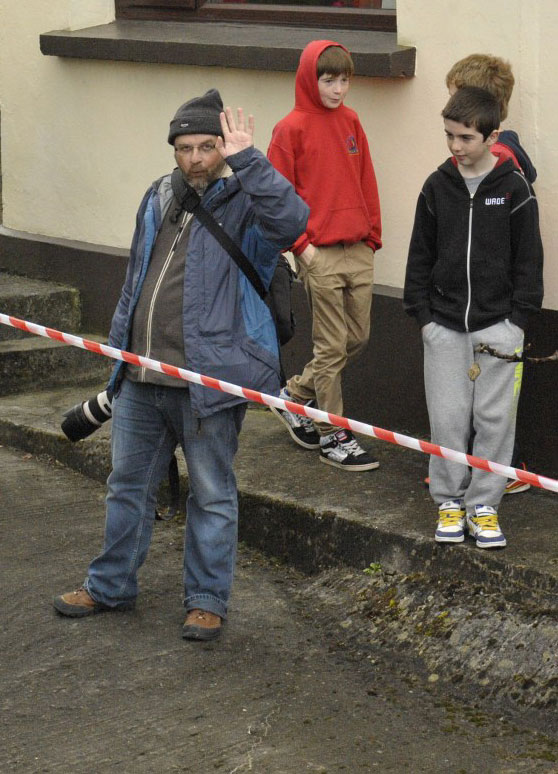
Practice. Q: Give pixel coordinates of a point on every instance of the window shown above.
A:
(241, 34)
(378, 15)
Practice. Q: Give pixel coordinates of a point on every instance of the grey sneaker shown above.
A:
(301, 428)
(341, 450)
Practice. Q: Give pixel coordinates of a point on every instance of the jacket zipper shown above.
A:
(168, 259)
(469, 240)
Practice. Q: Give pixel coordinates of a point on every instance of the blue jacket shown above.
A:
(229, 333)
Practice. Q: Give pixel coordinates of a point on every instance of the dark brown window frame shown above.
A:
(373, 19)
(236, 35)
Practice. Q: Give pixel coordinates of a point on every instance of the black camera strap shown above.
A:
(189, 200)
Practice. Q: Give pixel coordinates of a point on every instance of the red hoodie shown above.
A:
(324, 153)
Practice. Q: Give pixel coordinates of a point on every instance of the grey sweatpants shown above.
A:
(478, 416)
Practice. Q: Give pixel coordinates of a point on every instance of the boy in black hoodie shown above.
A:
(474, 275)
(495, 75)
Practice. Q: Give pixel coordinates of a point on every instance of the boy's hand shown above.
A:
(237, 135)
(308, 254)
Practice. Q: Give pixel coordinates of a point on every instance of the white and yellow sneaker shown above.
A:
(483, 526)
(451, 522)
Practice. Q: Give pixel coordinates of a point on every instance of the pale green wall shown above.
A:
(81, 140)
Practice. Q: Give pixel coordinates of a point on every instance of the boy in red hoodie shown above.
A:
(321, 148)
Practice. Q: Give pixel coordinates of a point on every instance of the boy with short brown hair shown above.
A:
(495, 75)
(474, 275)
(321, 148)
(486, 72)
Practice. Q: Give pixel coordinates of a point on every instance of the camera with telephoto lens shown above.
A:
(86, 417)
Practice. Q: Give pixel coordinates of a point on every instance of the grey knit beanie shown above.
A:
(198, 116)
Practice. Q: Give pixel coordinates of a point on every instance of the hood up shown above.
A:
(307, 96)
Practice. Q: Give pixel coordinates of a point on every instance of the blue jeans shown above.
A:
(148, 422)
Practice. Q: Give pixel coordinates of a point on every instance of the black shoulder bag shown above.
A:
(278, 299)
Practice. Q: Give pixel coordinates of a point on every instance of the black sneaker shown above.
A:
(301, 428)
(341, 450)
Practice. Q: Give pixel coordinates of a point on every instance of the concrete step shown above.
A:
(45, 303)
(315, 516)
(34, 362)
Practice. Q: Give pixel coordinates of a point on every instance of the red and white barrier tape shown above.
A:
(269, 400)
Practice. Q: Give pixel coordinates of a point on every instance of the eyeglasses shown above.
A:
(186, 150)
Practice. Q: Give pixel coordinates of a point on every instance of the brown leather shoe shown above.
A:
(201, 625)
(78, 604)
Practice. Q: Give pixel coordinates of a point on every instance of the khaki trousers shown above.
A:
(339, 283)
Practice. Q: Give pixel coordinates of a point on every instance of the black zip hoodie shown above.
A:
(474, 261)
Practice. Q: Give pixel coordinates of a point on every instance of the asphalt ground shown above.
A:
(282, 692)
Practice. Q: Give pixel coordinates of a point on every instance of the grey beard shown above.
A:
(200, 187)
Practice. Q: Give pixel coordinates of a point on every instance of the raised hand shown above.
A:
(237, 134)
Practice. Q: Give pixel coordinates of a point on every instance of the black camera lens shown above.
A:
(83, 419)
